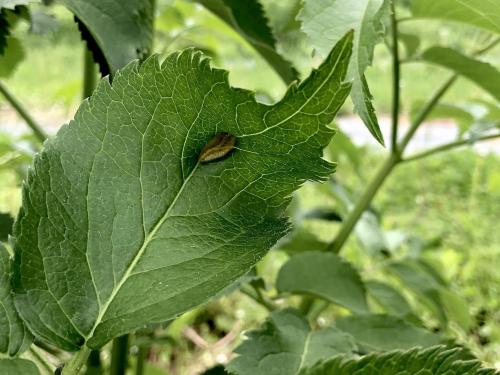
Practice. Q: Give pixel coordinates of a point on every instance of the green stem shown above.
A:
(119, 356)
(74, 366)
(94, 364)
(89, 73)
(448, 146)
(258, 297)
(363, 203)
(141, 360)
(396, 74)
(30, 121)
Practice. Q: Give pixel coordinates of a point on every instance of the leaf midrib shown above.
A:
(137, 257)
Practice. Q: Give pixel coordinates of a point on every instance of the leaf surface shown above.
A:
(285, 345)
(249, 20)
(431, 361)
(388, 297)
(483, 74)
(14, 337)
(325, 22)
(121, 225)
(122, 29)
(18, 367)
(480, 13)
(379, 332)
(324, 275)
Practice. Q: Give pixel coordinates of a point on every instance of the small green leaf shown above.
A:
(432, 361)
(122, 226)
(378, 332)
(248, 19)
(411, 43)
(483, 74)
(388, 297)
(122, 29)
(14, 337)
(323, 275)
(285, 345)
(12, 56)
(299, 241)
(325, 22)
(18, 367)
(480, 13)
(6, 222)
(430, 288)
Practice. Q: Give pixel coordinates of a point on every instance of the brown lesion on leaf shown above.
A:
(218, 147)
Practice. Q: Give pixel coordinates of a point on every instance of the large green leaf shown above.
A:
(122, 225)
(14, 337)
(431, 361)
(248, 19)
(376, 332)
(285, 345)
(481, 13)
(18, 367)
(325, 22)
(483, 74)
(324, 275)
(122, 29)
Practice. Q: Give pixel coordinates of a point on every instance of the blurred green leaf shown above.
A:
(326, 22)
(411, 42)
(11, 4)
(300, 240)
(460, 115)
(18, 367)
(341, 145)
(378, 332)
(122, 30)
(323, 275)
(388, 297)
(14, 336)
(6, 222)
(480, 13)
(483, 74)
(432, 290)
(285, 345)
(248, 19)
(12, 56)
(431, 361)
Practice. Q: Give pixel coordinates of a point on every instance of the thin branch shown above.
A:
(396, 74)
(448, 146)
(30, 121)
(258, 297)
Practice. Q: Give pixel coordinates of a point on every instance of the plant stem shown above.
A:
(396, 74)
(94, 365)
(448, 146)
(141, 360)
(119, 355)
(363, 203)
(35, 127)
(258, 297)
(89, 73)
(74, 366)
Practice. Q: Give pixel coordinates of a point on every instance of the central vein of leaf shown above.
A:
(141, 251)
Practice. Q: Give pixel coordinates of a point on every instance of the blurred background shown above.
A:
(446, 208)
